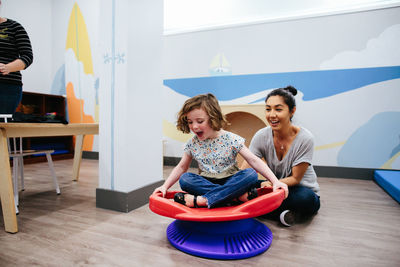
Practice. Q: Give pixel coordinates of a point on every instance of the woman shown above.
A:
(15, 55)
(288, 151)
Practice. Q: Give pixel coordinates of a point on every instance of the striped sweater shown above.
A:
(14, 44)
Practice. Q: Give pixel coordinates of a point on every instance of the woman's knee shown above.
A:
(305, 199)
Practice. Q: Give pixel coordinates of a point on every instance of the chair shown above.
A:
(221, 233)
(17, 156)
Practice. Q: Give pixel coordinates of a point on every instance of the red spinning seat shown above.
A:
(266, 202)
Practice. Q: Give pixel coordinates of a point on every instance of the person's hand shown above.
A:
(281, 185)
(266, 184)
(161, 189)
(4, 69)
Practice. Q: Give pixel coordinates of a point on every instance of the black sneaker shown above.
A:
(287, 218)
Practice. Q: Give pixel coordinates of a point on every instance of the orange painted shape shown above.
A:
(77, 115)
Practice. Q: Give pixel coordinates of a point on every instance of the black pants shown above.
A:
(10, 96)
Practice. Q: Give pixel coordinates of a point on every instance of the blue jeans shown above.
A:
(10, 96)
(219, 191)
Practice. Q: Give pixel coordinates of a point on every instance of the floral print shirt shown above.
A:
(216, 157)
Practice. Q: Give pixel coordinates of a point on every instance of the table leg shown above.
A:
(77, 157)
(6, 188)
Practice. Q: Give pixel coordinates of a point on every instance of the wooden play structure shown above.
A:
(245, 120)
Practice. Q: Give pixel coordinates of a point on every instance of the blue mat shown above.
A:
(389, 181)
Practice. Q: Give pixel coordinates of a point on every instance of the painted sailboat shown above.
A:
(220, 66)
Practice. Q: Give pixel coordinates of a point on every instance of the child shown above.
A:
(215, 151)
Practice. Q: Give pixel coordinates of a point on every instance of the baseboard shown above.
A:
(122, 201)
(173, 161)
(345, 172)
(90, 155)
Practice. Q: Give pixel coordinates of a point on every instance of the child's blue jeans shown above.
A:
(219, 191)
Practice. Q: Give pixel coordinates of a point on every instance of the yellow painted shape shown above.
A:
(332, 145)
(169, 130)
(388, 164)
(78, 39)
(219, 61)
(77, 115)
(96, 113)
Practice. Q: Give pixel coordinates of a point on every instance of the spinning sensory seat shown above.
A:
(219, 233)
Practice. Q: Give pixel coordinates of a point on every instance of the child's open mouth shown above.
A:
(199, 134)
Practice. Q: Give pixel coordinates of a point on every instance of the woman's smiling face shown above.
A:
(277, 112)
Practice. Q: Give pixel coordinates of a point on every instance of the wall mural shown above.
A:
(76, 79)
(362, 127)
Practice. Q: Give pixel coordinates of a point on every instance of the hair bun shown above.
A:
(291, 89)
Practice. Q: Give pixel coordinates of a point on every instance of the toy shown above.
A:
(219, 233)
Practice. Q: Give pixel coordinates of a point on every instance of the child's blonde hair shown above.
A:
(209, 103)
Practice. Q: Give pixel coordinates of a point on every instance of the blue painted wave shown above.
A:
(374, 143)
(58, 86)
(313, 84)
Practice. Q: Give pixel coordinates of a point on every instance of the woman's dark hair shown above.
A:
(287, 93)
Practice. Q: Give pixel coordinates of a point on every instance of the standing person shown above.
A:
(215, 151)
(288, 151)
(15, 55)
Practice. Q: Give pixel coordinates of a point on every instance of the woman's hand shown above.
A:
(266, 184)
(161, 189)
(13, 66)
(4, 69)
(279, 184)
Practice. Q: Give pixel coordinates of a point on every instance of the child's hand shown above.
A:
(161, 189)
(281, 185)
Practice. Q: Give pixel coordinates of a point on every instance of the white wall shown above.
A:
(331, 42)
(60, 14)
(135, 116)
(144, 98)
(298, 45)
(35, 17)
(130, 128)
(348, 41)
(211, 14)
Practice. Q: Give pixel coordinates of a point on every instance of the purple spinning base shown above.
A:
(228, 240)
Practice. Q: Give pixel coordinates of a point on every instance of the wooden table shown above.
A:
(34, 130)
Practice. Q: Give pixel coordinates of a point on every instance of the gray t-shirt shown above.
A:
(301, 150)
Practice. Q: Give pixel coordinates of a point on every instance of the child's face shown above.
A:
(198, 121)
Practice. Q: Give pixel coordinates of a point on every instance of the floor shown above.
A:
(358, 225)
